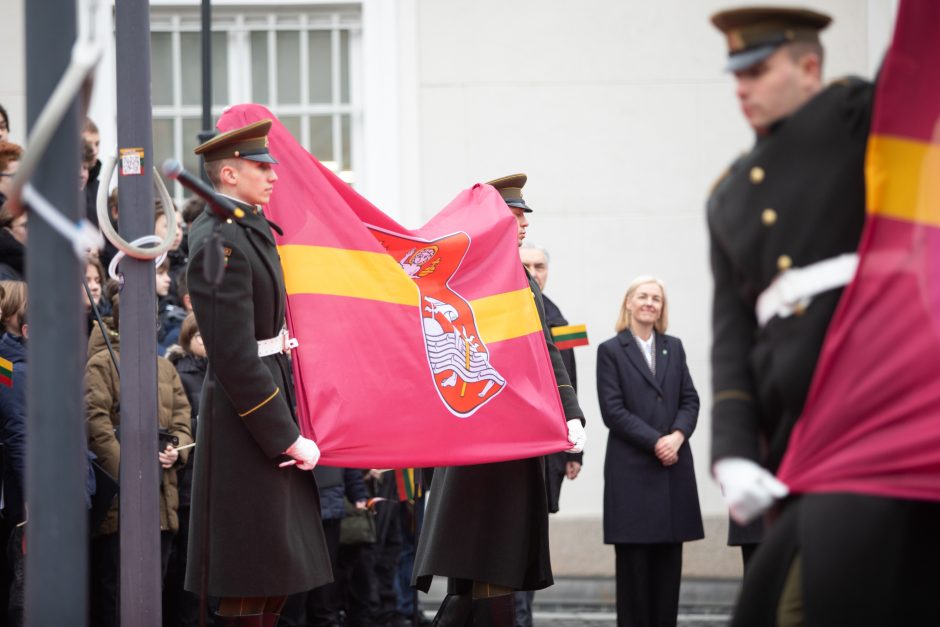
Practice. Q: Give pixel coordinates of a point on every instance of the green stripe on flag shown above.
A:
(570, 336)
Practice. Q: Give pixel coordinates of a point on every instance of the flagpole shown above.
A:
(57, 561)
(139, 512)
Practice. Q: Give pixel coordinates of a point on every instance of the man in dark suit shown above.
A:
(557, 465)
(784, 223)
(257, 535)
(504, 502)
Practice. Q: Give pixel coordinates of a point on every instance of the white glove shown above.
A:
(305, 452)
(748, 488)
(576, 436)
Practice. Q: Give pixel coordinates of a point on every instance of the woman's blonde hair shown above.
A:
(13, 300)
(623, 321)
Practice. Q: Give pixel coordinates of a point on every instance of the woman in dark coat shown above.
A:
(650, 499)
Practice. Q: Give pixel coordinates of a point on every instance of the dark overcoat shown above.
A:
(556, 463)
(489, 522)
(796, 198)
(265, 534)
(644, 501)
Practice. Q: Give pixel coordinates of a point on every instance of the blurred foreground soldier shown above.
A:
(265, 538)
(486, 526)
(784, 223)
(557, 465)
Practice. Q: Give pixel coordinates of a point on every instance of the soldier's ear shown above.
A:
(228, 174)
(811, 66)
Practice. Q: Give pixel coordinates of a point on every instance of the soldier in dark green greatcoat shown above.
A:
(784, 223)
(486, 526)
(264, 539)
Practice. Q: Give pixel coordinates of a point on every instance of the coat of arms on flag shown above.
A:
(417, 347)
(457, 357)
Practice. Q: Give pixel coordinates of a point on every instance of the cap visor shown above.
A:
(262, 158)
(744, 60)
(519, 203)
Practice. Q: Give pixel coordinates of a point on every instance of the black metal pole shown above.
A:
(57, 559)
(207, 131)
(140, 602)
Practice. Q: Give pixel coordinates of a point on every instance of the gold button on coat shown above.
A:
(768, 217)
(784, 262)
(757, 174)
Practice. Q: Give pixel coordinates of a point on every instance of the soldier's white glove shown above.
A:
(748, 488)
(576, 436)
(305, 452)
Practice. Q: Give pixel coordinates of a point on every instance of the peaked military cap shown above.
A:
(754, 33)
(248, 142)
(510, 188)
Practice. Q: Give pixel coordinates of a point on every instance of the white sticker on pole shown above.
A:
(132, 161)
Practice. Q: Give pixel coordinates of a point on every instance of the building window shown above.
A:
(298, 64)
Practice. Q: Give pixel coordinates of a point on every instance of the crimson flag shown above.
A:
(871, 424)
(416, 347)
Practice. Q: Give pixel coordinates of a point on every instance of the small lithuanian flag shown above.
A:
(570, 336)
(408, 489)
(6, 372)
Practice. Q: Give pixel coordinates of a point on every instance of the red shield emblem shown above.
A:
(458, 359)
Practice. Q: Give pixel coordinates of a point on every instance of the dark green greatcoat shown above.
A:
(489, 522)
(265, 534)
(796, 198)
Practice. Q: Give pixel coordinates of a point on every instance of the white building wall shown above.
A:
(621, 116)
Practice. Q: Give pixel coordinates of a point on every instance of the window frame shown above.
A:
(238, 23)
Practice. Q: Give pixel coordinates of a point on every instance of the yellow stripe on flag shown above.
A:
(506, 316)
(376, 276)
(342, 272)
(902, 179)
(568, 330)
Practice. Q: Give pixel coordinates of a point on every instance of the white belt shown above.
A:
(280, 343)
(796, 287)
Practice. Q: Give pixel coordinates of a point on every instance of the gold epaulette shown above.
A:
(727, 172)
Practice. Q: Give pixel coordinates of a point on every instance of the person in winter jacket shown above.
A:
(102, 404)
(13, 439)
(181, 607)
(12, 228)
(13, 425)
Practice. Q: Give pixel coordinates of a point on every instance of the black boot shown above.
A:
(494, 612)
(454, 612)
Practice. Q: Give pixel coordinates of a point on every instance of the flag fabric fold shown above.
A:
(418, 347)
(871, 424)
